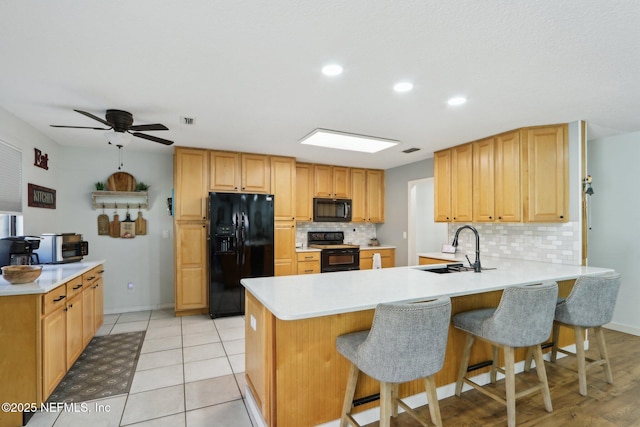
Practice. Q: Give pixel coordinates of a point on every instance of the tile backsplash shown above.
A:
(355, 233)
(554, 243)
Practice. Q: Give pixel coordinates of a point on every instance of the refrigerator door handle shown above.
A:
(242, 230)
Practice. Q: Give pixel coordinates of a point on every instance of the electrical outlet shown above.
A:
(130, 286)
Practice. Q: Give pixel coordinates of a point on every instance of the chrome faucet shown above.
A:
(476, 265)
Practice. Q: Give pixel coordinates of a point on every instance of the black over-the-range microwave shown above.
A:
(331, 210)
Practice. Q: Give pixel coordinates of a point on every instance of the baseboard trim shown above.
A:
(623, 328)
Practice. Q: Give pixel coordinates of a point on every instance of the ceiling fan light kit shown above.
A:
(121, 123)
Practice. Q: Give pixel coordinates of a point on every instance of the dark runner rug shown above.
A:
(104, 369)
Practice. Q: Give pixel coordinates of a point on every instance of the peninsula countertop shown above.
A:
(314, 295)
(52, 276)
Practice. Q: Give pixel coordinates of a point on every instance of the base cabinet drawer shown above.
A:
(308, 262)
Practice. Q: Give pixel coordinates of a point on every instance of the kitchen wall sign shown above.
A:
(41, 197)
(41, 159)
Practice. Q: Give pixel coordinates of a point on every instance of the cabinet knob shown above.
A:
(490, 217)
(561, 216)
(499, 217)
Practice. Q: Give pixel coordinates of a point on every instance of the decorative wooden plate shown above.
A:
(121, 181)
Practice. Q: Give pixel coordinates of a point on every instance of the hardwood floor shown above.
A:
(607, 405)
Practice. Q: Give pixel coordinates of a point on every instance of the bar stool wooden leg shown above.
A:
(528, 358)
(582, 366)
(510, 384)
(604, 354)
(464, 363)
(394, 397)
(432, 400)
(386, 390)
(352, 380)
(555, 336)
(494, 364)
(542, 377)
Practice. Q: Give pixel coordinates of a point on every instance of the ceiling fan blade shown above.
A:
(78, 127)
(156, 126)
(94, 117)
(152, 138)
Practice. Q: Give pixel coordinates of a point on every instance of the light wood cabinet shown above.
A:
(462, 183)
(92, 303)
(308, 262)
(387, 257)
(508, 195)
(190, 184)
(191, 267)
(74, 331)
(545, 172)
(54, 343)
(283, 186)
(442, 185)
(239, 172)
(332, 181)
(284, 248)
(367, 195)
(48, 329)
(304, 192)
(484, 180)
(428, 261)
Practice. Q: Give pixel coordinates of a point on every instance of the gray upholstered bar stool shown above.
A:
(590, 304)
(522, 319)
(406, 342)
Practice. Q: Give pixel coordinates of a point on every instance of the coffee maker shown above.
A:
(18, 250)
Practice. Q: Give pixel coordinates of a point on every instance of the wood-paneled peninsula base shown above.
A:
(294, 373)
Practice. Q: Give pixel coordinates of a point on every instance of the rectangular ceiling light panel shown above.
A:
(347, 141)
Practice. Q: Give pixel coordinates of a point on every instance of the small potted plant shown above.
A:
(99, 186)
(141, 186)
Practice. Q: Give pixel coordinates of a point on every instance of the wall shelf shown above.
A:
(120, 199)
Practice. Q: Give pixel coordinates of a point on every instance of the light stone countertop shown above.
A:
(52, 276)
(373, 248)
(314, 295)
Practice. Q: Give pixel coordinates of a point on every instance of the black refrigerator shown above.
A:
(241, 245)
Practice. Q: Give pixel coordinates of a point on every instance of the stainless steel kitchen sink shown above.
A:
(450, 268)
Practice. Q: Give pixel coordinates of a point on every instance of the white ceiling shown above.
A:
(249, 70)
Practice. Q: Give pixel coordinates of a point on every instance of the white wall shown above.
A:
(147, 261)
(615, 215)
(424, 234)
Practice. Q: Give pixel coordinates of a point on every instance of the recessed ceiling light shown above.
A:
(332, 70)
(403, 87)
(457, 100)
(347, 141)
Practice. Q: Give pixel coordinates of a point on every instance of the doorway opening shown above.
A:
(424, 234)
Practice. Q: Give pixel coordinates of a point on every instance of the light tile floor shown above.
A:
(190, 374)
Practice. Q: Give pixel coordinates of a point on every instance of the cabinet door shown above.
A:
(284, 248)
(508, 200)
(341, 179)
(483, 180)
(88, 313)
(462, 183)
(358, 195)
(54, 359)
(190, 184)
(547, 176)
(442, 185)
(304, 192)
(224, 169)
(191, 266)
(322, 181)
(74, 322)
(256, 173)
(98, 308)
(375, 195)
(283, 181)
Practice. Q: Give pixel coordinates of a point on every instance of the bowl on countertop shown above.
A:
(19, 274)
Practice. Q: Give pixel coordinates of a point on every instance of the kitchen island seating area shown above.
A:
(406, 342)
(523, 318)
(589, 305)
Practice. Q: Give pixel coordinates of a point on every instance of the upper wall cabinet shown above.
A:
(239, 172)
(304, 192)
(332, 181)
(283, 184)
(545, 160)
(367, 194)
(190, 181)
(521, 175)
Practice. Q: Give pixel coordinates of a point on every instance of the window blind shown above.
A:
(10, 179)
